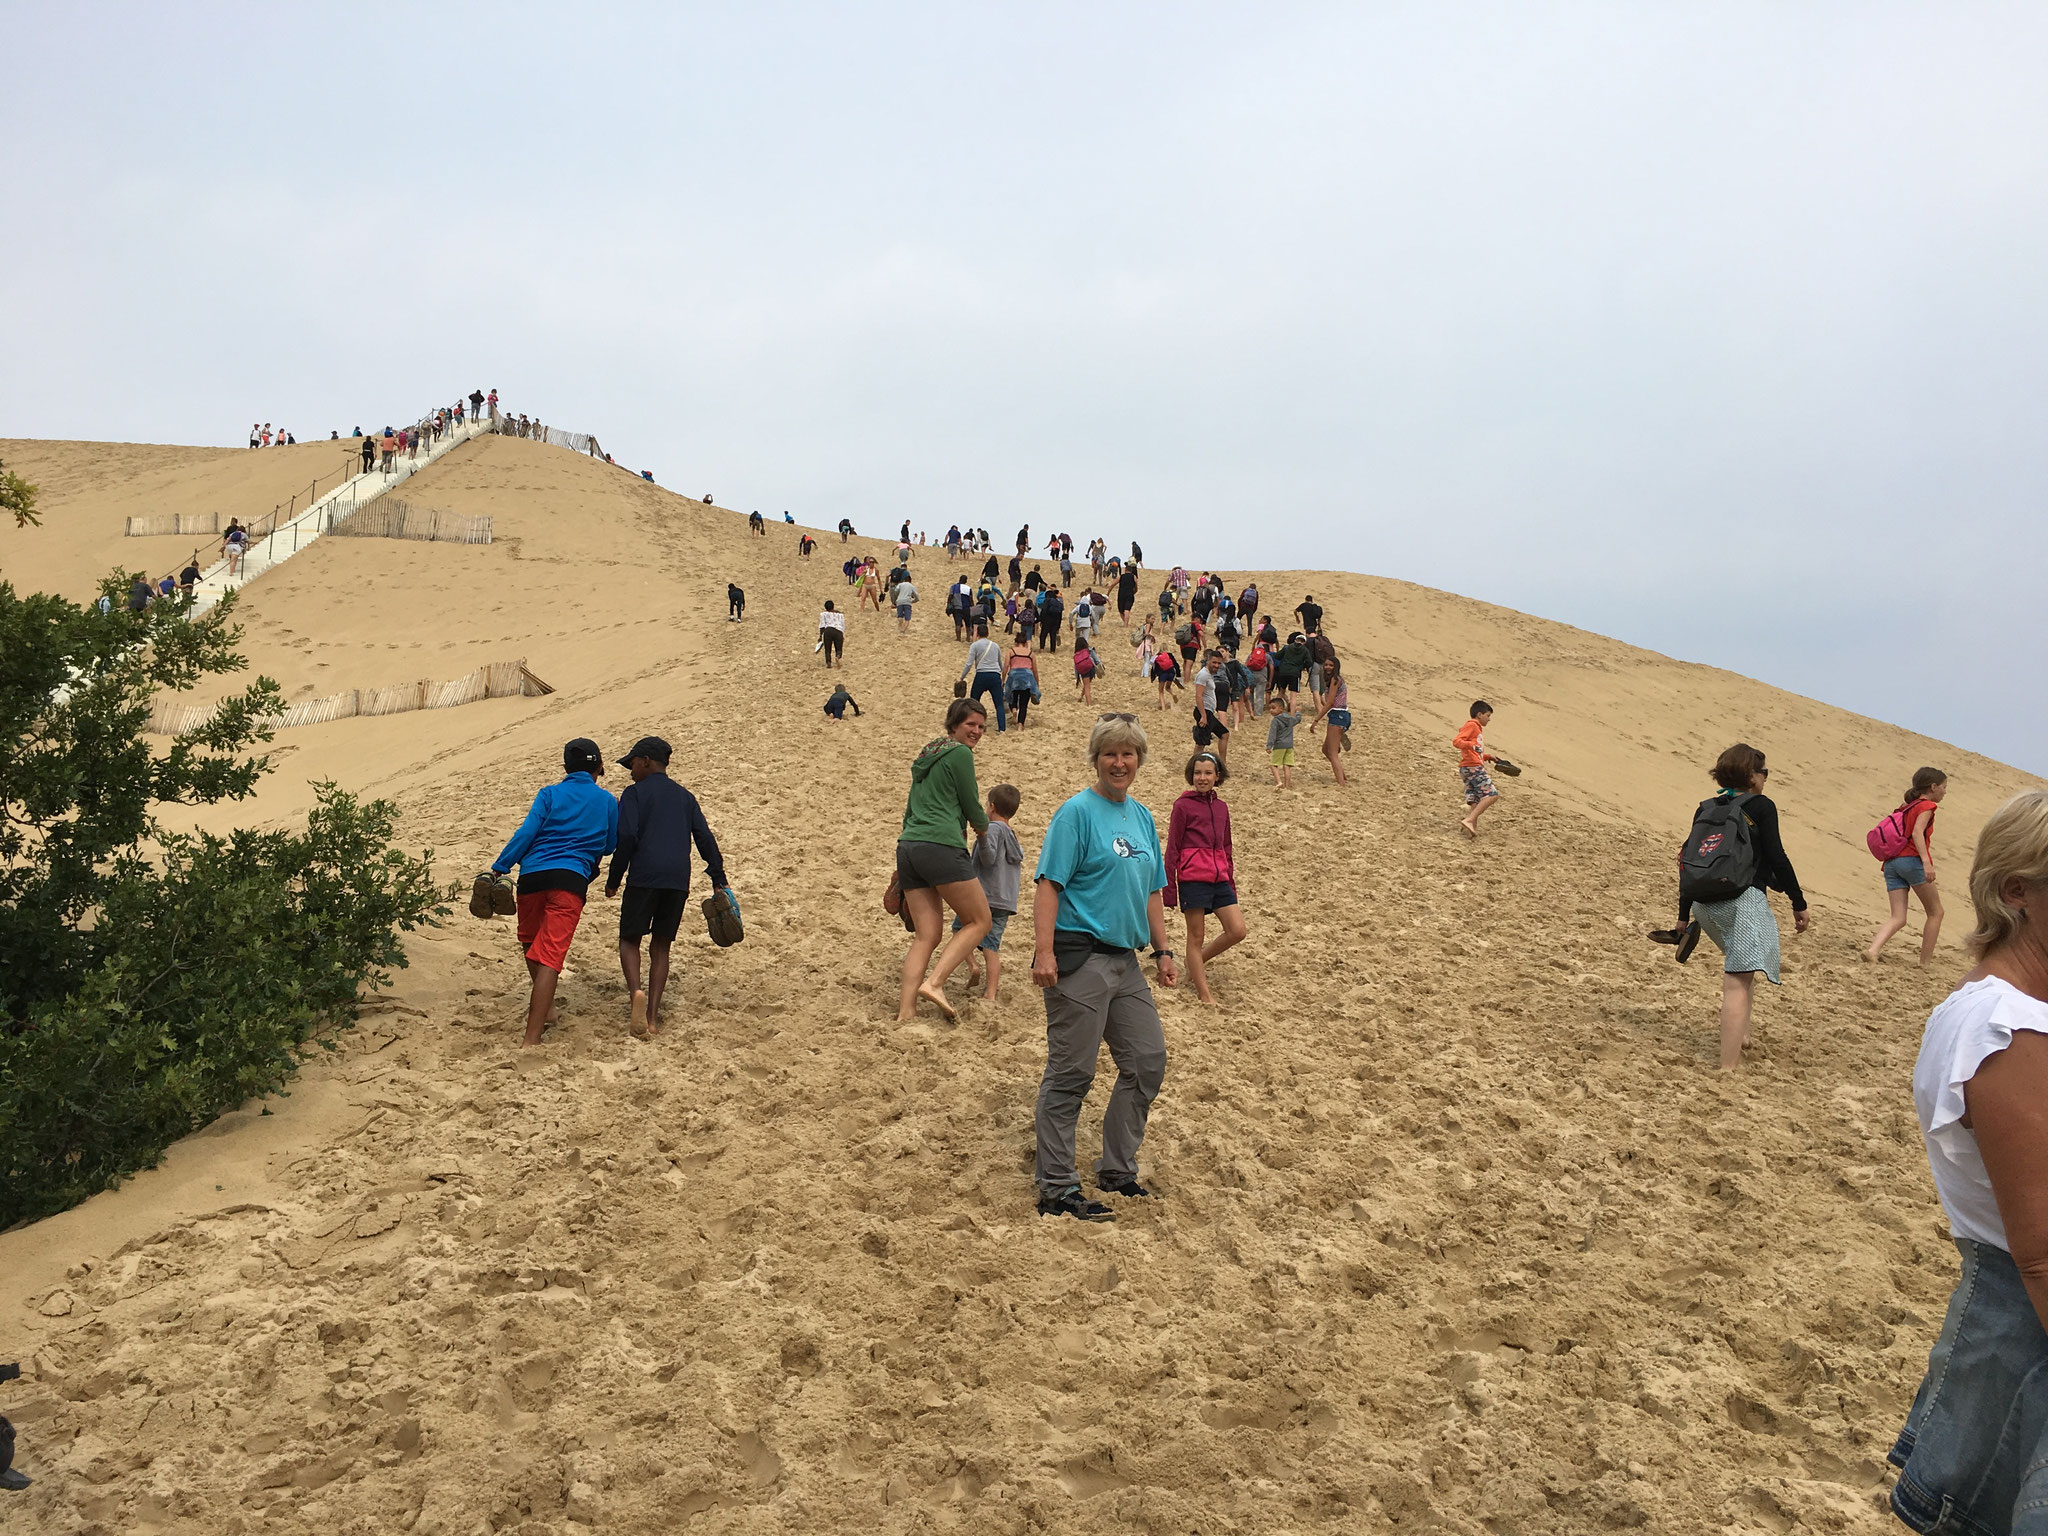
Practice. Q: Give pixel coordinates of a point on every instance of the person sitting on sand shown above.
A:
(1473, 757)
(933, 868)
(1099, 882)
(1971, 1453)
(1201, 876)
(570, 827)
(658, 820)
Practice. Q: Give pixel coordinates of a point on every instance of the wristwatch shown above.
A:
(1162, 954)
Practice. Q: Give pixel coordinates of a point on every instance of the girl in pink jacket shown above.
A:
(1200, 877)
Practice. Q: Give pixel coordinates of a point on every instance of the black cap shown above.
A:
(583, 756)
(646, 746)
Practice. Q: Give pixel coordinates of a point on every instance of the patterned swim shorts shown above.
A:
(1478, 784)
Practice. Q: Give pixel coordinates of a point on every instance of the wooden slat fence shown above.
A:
(495, 680)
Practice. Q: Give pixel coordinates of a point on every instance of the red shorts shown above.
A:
(547, 922)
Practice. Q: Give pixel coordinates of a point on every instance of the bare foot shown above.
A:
(937, 998)
(1468, 829)
(639, 1025)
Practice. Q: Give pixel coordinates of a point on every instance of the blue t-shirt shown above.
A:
(1104, 856)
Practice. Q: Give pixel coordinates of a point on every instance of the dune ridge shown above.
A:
(1458, 1229)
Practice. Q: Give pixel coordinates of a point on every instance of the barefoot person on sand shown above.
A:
(1912, 869)
(1473, 757)
(933, 867)
(570, 827)
(1970, 1455)
(1742, 926)
(1200, 875)
(658, 820)
(1098, 902)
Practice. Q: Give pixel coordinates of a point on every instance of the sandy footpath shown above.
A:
(1457, 1228)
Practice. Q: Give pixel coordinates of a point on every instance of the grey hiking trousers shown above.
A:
(1105, 999)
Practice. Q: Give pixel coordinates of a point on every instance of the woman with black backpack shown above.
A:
(1732, 856)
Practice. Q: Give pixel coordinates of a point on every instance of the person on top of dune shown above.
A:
(1971, 1454)
(1098, 901)
(933, 868)
(571, 826)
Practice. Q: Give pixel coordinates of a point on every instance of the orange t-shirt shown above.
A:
(1471, 750)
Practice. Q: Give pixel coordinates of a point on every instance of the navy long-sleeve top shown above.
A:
(658, 820)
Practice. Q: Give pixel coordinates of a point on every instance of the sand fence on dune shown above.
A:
(391, 518)
(387, 518)
(494, 680)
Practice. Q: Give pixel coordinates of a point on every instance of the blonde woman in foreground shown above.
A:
(1974, 1453)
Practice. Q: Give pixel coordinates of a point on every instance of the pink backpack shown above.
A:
(1889, 838)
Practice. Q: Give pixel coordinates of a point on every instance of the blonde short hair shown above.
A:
(1113, 733)
(2013, 845)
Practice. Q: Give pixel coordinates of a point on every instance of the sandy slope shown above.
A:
(1457, 1228)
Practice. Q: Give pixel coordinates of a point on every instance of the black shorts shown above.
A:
(643, 911)
(926, 866)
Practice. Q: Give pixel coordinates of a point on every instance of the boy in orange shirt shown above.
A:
(1472, 760)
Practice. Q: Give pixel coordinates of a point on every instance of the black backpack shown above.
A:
(1719, 860)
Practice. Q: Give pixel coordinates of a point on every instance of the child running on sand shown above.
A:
(1280, 740)
(999, 866)
(1472, 760)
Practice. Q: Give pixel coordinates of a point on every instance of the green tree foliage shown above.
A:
(151, 980)
(18, 497)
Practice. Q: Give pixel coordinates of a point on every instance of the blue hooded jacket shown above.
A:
(571, 826)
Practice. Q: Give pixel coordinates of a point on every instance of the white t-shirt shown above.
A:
(832, 620)
(1973, 1022)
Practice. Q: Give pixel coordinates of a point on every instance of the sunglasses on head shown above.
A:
(1117, 715)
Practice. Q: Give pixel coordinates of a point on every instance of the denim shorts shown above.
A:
(1904, 872)
(992, 941)
(903, 610)
(1974, 1453)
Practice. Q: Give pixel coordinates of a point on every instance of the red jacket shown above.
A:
(1197, 842)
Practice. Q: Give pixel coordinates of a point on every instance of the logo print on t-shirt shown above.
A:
(1123, 848)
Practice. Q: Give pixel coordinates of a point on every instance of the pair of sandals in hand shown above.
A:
(1687, 939)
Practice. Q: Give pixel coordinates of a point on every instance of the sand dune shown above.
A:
(1458, 1229)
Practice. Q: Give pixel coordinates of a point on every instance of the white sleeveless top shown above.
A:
(1973, 1022)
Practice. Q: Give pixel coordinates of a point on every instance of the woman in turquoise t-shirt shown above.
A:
(1100, 878)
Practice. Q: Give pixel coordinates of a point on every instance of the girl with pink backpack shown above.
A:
(1901, 844)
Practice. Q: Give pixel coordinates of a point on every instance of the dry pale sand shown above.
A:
(1457, 1228)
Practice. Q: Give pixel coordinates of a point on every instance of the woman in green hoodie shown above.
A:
(933, 866)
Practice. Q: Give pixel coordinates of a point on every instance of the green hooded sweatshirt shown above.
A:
(943, 795)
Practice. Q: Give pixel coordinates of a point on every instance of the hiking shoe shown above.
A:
(1121, 1184)
(13, 1481)
(1071, 1202)
(1689, 943)
(480, 903)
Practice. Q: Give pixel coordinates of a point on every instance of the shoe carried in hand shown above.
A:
(491, 896)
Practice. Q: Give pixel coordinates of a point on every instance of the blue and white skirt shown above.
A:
(1746, 931)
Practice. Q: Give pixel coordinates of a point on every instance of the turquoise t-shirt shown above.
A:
(1104, 856)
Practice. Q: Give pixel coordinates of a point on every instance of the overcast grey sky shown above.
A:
(1722, 329)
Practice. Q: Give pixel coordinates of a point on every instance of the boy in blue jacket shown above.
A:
(571, 826)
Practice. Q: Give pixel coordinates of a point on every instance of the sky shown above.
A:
(1719, 328)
